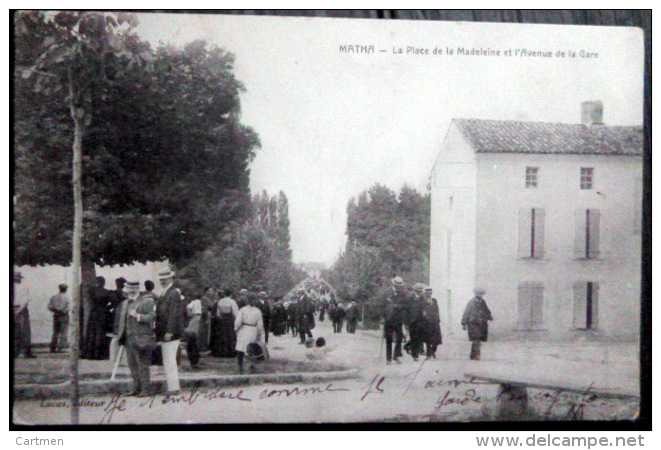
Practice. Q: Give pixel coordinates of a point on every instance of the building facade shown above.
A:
(547, 218)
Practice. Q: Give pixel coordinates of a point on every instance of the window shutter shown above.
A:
(539, 232)
(595, 305)
(525, 218)
(580, 305)
(594, 233)
(579, 233)
(524, 307)
(537, 305)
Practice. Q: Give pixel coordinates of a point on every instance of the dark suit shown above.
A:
(476, 318)
(137, 336)
(169, 315)
(395, 313)
(417, 325)
(170, 319)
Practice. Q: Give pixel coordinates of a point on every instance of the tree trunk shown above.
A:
(88, 273)
(76, 246)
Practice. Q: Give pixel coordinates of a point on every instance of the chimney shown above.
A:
(592, 113)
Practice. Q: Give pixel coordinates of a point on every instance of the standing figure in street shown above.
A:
(242, 298)
(337, 316)
(96, 344)
(115, 299)
(136, 333)
(22, 330)
(192, 332)
(417, 321)
(352, 318)
(263, 305)
(209, 300)
(394, 317)
(305, 316)
(227, 311)
(249, 327)
(476, 318)
(59, 306)
(169, 327)
(292, 317)
(434, 336)
(279, 318)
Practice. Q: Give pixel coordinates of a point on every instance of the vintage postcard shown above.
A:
(228, 219)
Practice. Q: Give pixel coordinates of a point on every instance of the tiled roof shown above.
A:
(499, 136)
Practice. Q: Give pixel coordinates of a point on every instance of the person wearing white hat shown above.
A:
(394, 318)
(476, 319)
(136, 316)
(169, 327)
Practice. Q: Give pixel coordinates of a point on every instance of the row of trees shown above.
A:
(387, 236)
(257, 254)
(126, 153)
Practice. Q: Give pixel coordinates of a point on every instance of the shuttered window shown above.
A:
(531, 232)
(586, 305)
(586, 240)
(531, 306)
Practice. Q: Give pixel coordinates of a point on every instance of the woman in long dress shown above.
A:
(226, 313)
(249, 327)
(95, 344)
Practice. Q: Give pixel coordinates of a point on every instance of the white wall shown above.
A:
(501, 192)
(453, 212)
(41, 283)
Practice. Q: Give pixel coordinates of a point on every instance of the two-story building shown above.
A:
(546, 217)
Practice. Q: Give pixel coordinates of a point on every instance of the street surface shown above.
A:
(433, 390)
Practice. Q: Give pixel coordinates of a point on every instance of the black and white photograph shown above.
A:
(251, 219)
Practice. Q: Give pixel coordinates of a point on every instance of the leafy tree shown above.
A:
(387, 235)
(166, 157)
(75, 52)
(256, 254)
(166, 166)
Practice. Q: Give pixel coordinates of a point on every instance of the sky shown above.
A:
(333, 123)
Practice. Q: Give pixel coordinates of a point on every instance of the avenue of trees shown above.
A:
(257, 255)
(125, 153)
(387, 236)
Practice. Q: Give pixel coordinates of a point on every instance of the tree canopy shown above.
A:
(256, 255)
(165, 154)
(387, 235)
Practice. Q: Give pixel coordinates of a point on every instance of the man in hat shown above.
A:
(136, 316)
(305, 316)
(394, 317)
(352, 317)
(476, 318)
(169, 327)
(22, 330)
(417, 321)
(59, 306)
(434, 336)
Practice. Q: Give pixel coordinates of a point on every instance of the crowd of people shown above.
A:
(150, 328)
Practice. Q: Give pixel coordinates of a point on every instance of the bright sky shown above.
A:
(332, 124)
